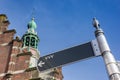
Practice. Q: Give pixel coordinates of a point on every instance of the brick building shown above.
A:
(18, 57)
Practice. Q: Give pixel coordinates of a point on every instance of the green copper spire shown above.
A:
(32, 26)
(30, 38)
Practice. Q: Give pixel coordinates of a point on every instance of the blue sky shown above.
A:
(65, 23)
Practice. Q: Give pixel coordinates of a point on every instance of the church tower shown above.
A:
(19, 56)
(30, 42)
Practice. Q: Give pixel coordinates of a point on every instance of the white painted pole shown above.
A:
(110, 62)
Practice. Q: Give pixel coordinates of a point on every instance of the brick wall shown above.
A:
(4, 57)
(6, 39)
(5, 49)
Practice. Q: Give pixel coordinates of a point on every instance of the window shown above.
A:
(32, 42)
(27, 41)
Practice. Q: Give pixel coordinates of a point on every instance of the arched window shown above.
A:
(27, 41)
(32, 42)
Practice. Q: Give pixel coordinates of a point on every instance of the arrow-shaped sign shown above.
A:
(69, 55)
(41, 63)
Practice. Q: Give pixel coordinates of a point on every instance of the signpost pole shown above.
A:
(110, 62)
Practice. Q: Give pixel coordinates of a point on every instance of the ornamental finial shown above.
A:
(96, 23)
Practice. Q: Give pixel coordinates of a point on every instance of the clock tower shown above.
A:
(19, 56)
(30, 42)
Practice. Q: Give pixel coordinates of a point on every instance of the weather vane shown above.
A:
(33, 13)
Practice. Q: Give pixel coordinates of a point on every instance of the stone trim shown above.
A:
(1, 32)
(13, 55)
(11, 63)
(3, 74)
(4, 44)
(12, 72)
(18, 72)
(13, 30)
(27, 61)
(15, 47)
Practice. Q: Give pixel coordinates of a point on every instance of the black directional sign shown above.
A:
(66, 56)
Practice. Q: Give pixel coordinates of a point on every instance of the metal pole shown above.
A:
(118, 64)
(110, 62)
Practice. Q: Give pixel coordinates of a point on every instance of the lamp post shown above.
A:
(110, 62)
